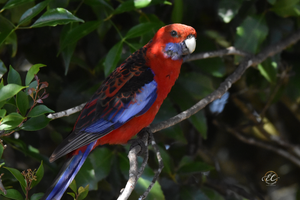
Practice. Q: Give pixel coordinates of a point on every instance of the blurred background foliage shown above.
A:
(81, 41)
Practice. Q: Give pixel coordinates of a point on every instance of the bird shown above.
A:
(126, 102)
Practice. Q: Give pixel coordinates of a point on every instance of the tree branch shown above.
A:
(236, 75)
(261, 144)
(134, 172)
(68, 112)
(218, 53)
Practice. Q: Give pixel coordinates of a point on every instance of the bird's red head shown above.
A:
(174, 41)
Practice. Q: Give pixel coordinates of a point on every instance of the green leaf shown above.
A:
(68, 40)
(131, 5)
(33, 149)
(39, 175)
(1, 84)
(143, 183)
(39, 110)
(3, 69)
(73, 186)
(141, 3)
(199, 122)
(3, 102)
(125, 7)
(218, 38)
(22, 147)
(123, 164)
(193, 193)
(67, 54)
(156, 191)
(32, 71)
(272, 1)
(167, 111)
(72, 194)
(56, 16)
(228, 9)
(12, 40)
(9, 91)
(167, 3)
(22, 102)
(2, 113)
(35, 123)
(112, 58)
(268, 69)
(251, 34)
(32, 12)
(13, 76)
(141, 29)
(36, 196)
(194, 167)
(18, 176)
(12, 194)
(83, 192)
(6, 29)
(101, 159)
(14, 3)
(285, 8)
(99, 3)
(74, 34)
(11, 121)
(86, 176)
(1, 150)
(212, 194)
(177, 11)
(202, 85)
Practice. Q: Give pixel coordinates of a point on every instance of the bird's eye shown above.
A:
(174, 33)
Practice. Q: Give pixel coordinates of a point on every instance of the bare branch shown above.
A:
(264, 145)
(218, 53)
(236, 75)
(66, 112)
(133, 173)
(225, 188)
(160, 166)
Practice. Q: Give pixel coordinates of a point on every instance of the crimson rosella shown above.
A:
(126, 102)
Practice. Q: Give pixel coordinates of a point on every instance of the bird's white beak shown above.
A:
(189, 45)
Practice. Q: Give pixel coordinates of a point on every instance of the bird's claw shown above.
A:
(142, 140)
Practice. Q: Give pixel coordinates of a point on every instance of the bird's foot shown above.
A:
(143, 141)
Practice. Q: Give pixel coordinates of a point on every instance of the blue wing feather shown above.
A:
(142, 102)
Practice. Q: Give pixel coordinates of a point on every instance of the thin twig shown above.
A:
(261, 144)
(66, 112)
(160, 166)
(225, 188)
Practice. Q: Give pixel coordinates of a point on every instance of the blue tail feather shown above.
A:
(67, 174)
